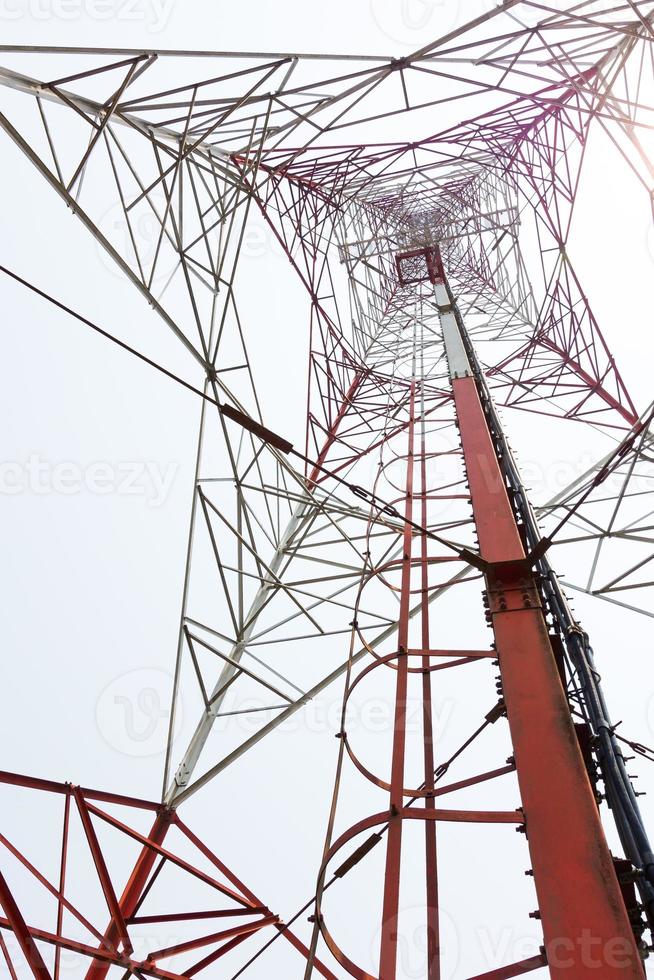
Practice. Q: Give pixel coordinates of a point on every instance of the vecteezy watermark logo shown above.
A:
(563, 952)
(153, 14)
(413, 22)
(144, 235)
(375, 715)
(415, 945)
(133, 712)
(41, 477)
(506, 945)
(143, 231)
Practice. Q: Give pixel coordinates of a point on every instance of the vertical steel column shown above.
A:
(431, 866)
(133, 889)
(390, 915)
(388, 955)
(585, 923)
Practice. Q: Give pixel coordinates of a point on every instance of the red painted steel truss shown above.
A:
(228, 913)
(439, 273)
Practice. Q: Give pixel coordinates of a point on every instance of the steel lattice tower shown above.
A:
(441, 291)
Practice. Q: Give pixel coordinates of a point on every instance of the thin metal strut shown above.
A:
(190, 759)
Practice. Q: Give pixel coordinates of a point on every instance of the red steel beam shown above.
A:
(124, 911)
(7, 958)
(514, 970)
(117, 919)
(578, 893)
(64, 789)
(473, 780)
(133, 889)
(22, 932)
(130, 966)
(214, 937)
(332, 433)
(62, 881)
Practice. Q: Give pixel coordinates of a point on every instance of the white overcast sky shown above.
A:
(91, 582)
